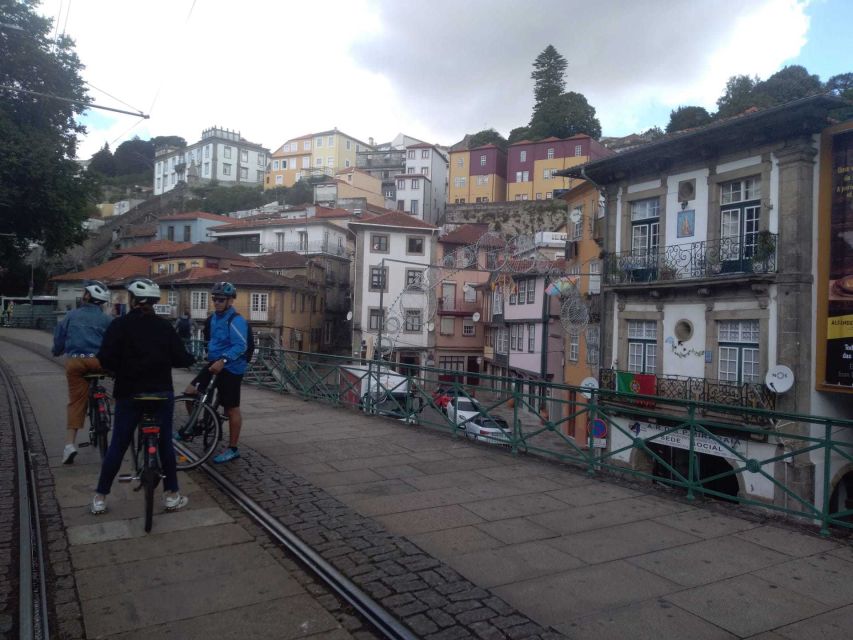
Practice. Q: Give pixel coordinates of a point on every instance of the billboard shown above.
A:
(835, 293)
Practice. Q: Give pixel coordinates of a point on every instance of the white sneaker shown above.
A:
(175, 501)
(99, 504)
(68, 454)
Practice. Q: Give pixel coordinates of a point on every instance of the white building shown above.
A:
(422, 188)
(392, 251)
(221, 155)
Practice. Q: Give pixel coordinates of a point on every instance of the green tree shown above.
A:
(549, 71)
(103, 162)
(168, 141)
(737, 96)
(218, 199)
(518, 134)
(564, 116)
(134, 157)
(840, 85)
(43, 192)
(300, 193)
(789, 83)
(687, 118)
(487, 136)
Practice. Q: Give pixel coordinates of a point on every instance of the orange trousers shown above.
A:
(78, 388)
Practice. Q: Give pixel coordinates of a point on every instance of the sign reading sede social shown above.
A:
(721, 446)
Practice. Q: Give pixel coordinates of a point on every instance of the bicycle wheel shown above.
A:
(197, 430)
(102, 428)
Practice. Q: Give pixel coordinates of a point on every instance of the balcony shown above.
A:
(753, 254)
(317, 246)
(750, 395)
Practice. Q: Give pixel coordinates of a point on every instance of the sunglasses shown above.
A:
(220, 299)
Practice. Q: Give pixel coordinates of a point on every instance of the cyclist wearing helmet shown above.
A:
(79, 336)
(141, 349)
(226, 354)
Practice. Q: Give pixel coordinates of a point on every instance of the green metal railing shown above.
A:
(795, 460)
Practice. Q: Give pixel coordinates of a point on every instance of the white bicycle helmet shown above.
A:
(98, 290)
(144, 290)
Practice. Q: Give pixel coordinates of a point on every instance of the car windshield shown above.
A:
(494, 423)
(467, 405)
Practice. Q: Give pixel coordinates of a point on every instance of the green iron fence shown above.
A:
(783, 462)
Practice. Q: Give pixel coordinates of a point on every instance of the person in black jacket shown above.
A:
(141, 349)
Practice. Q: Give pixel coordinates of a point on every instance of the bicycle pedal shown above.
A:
(84, 444)
(127, 478)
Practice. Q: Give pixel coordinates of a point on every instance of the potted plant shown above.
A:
(765, 251)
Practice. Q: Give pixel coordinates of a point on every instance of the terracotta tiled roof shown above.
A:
(153, 248)
(139, 231)
(207, 250)
(243, 278)
(328, 212)
(466, 234)
(112, 271)
(194, 215)
(189, 274)
(249, 223)
(397, 219)
(282, 260)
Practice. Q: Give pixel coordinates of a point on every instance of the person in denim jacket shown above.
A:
(79, 337)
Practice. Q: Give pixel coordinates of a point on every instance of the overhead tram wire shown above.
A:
(160, 87)
(87, 105)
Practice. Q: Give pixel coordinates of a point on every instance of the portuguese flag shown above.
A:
(642, 383)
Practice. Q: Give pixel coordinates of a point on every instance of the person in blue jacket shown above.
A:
(79, 337)
(226, 354)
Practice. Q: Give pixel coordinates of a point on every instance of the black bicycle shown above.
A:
(197, 426)
(146, 451)
(100, 414)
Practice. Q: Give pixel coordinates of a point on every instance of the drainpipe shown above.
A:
(545, 333)
(603, 308)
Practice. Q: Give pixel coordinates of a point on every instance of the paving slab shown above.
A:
(832, 625)
(514, 506)
(788, 541)
(708, 561)
(283, 618)
(410, 502)
(825, 578)
(447, 543)
(563, 597)
(748, 605)
(515, 530)
(135, 527)
(621, 541)
(513, 563)
(424, 520)
(654, 619)
(605, 514)
(705, 523)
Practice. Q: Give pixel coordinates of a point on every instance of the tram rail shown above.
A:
(33, 611)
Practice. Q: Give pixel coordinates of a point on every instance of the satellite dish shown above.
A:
(588, 383)
(349, 315)
(476, 316)
(575, 215)
(779, 379)
(430, 326)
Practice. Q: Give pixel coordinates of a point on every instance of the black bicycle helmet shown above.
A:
(225, 289)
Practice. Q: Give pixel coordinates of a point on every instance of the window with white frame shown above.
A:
(330, 161)
(522, 291)
(468, 327)
(401, 184)
(460, 161)
(469, 293)
(424, 153)
(522, 176)
(448, 296)
(275, 165)
(574, 347)
(595, 276)
(172, 299)
(379, 243)
(578, 150)
(244, 173)
(306, 145)
(318, 142)
(531, 337)
(448, 326)
(226, 169)
(346, 163)
(482, 179)
(306, 162)
(411, 170)
(227, 152)
(740, 209)
(414, 277)
(259, 306)
(318, 162)
(546, 174)
(538, 195)
(414, 207)
(348, 145)
(497, 301)
(411, 154)
(414, 245)
(244, 155)
(550, 153)
(642, 346)
(198, 304)
(483, 160)
(502, 343)
(414, 321)
(531, 291)
(330, 142)
(513, 337)
(207, 151)
(459, 181)
(416, 184)
(549, 195)
(425, 171)
(645, 225)
(522, 156)
(593, 338)
(279, 179)
(738, 342)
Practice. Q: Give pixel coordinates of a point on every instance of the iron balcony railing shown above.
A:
(750, 395)
(317, 246)
(752, 253)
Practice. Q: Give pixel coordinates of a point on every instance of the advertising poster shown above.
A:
(839, 327)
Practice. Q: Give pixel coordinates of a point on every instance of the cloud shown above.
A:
(436, 70)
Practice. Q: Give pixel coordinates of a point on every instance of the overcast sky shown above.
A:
(435, 70)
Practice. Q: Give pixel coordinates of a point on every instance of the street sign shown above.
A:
(588, 383)
(598, 428)
(163, 309)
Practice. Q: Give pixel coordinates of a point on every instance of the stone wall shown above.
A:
(519, 216)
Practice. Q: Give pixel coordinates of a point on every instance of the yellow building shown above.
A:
(321, 153)
(476, 175)
(531, 166)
